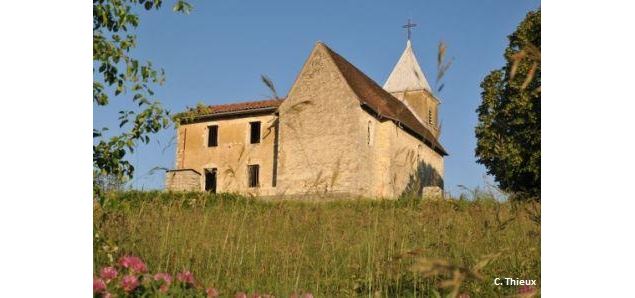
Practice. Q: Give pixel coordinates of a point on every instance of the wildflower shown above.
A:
(308, 295)
(186, 277)
(165, 277)
(133, 263)
(526, 289)
(211, 292)
(129, 283)
(164, 288)
(464, 295)
(240, 295)
(167, 280)
(107, 295)
(98, 285)
(108, 273)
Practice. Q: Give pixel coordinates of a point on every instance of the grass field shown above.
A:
(371, 248)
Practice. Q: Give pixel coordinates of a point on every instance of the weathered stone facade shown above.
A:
(183, 180)
(424, 106)
(232, 155)
(401, 164)
(320, 133)
(326, 138)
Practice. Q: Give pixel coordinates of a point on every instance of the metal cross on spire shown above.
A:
(408, 26)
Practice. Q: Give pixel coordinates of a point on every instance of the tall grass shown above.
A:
(331, 249)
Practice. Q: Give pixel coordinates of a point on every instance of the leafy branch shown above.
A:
(117, 73)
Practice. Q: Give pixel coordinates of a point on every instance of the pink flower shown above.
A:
(211, 292)
(98, 285)
(164, 288)
(129, 283)
(106, 295)
(167, 280)
(133, 263)
(308, 295)
(240, 295)
(186, 277)
(108, 273)
(464, 295)
(526, 289)
(165, 277)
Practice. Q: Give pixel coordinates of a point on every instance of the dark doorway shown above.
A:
(210, 180)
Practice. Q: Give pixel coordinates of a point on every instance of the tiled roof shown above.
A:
(244, 106)
(234, 108)
(368, 93)
(382, 102)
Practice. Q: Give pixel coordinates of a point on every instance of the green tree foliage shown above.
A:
(116, 73)
(508, 129)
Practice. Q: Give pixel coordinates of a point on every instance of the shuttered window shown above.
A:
(254, 172)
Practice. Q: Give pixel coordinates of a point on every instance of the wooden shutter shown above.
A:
(254, 172)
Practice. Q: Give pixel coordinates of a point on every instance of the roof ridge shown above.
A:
(331, 52)
(383, 103)
(234, 107)
(248, 101)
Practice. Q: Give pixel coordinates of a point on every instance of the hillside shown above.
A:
(330, 249)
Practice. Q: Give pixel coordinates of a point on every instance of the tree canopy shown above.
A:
(508, 129)
(117, 73)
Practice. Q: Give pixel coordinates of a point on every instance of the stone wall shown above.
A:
(232, 155)
(182, 180)
(432, 192)
(401, 163)
(328, 145)
(320, 134)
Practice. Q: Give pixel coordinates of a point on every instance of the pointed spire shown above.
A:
(407, 74)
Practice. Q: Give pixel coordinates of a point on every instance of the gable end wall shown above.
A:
(321, 135)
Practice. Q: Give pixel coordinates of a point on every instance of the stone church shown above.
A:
(336, 133)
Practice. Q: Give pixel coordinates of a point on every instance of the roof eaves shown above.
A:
(432, 142)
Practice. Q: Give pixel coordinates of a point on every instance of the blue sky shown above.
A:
(217, 53)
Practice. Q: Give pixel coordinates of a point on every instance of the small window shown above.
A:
(429, 116)
(212, 136)
(254, 172)
(370, 134)
(254, 128)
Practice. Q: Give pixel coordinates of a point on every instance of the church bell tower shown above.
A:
(408, 84)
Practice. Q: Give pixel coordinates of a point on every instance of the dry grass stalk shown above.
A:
(532, 53)
(332, 249)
